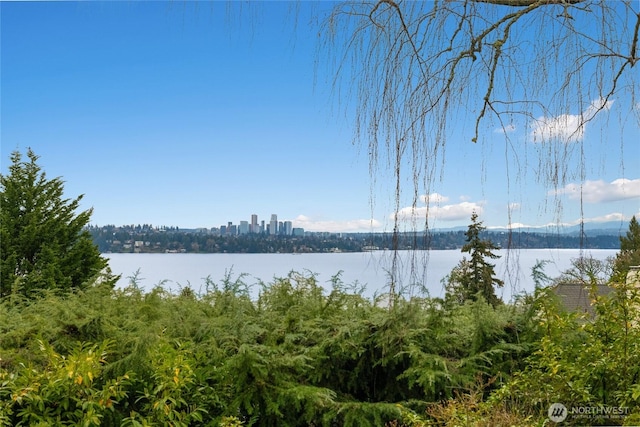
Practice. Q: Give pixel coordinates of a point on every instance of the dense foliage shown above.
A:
(300, 356)
(43, 243)
(296, 356)
(583, 362)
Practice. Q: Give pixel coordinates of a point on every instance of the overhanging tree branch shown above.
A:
(411, 67)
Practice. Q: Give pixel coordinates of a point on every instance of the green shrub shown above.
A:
(67, 390)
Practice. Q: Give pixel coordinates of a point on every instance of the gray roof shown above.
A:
(576, 297)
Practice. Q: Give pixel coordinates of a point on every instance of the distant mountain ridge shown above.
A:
(609, 228)
(152, 240)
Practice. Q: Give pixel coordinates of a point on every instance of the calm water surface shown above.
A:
(422, 269)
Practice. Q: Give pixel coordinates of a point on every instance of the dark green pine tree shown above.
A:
(476, 275)
(629, 252)
(43, 243)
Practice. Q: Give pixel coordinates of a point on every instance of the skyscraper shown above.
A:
(273, 225)
(254, 224)
(244, 227)
(288, 228)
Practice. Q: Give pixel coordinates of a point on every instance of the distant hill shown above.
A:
(610, 228)
(147, 239)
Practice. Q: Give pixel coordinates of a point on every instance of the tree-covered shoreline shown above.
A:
(147, 239)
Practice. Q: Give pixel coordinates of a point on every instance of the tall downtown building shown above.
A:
(255, 228)
(287, 228)
(273, 224)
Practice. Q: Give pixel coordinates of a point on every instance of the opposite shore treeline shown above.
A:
(147, 239)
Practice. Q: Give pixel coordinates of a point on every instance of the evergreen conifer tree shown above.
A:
(475, 275)
(629, 251)
(43, 244)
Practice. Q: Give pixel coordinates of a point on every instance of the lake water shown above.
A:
(371, 269)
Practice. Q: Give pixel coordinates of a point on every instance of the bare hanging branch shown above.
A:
(410, 67)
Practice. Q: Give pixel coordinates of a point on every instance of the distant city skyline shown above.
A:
(274, 227)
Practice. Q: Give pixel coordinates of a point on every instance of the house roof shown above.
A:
(576, 297)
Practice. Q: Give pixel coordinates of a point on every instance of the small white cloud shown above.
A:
(355, 225)
(505, 129)
(616, 216)
(597, 105)
(451, 212)
(600, 191)
(514, 207)
(433, 198)
(567, 127)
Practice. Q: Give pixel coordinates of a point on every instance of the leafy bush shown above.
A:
(582, 361)
(66, 390)
(297, 355)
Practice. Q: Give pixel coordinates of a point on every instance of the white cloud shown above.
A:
(433, 198)
(450, 212)
(505, 129)
(597, 105)
(354, 225)
(567, 127)
(600, 191)
(514, 206)
(616, 216)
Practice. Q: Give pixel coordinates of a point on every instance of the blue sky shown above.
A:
(169, 113)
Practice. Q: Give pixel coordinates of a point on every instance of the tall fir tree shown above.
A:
(476, 275)
(629, 254)
(43, 243)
